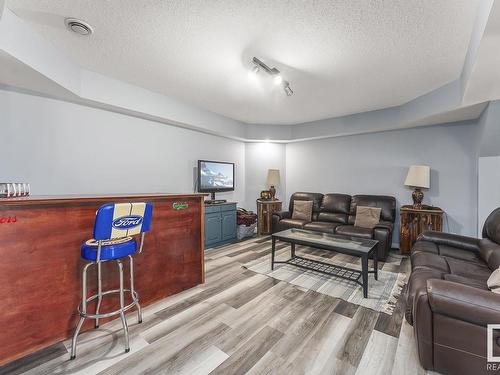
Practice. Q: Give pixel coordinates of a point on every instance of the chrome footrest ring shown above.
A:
(135, 301)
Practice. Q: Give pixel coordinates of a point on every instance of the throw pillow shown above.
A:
(367, 217)
(302, 210)
(494, 281)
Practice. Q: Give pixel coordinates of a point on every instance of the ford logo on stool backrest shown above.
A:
(127, 222)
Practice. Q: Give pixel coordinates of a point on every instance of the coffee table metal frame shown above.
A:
(328, 268)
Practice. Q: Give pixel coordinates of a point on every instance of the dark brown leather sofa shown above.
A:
(336, 214)
(448, 301)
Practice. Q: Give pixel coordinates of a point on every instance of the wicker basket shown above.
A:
(243, 231)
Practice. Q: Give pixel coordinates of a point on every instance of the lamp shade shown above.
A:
(273, 177)
(419, 176)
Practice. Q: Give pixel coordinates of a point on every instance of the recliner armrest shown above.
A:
(449, 239)
(463, 302)
(283, 214)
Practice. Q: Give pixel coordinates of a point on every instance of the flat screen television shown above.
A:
(215, 176)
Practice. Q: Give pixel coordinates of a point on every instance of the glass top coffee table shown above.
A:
(363, 248)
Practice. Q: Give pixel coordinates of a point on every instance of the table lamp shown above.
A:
(273, 180)
(419, 177)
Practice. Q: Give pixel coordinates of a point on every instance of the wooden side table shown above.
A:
(415, 221)
(265, 211)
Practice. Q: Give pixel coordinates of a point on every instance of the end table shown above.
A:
(265, 209)
(414, 221)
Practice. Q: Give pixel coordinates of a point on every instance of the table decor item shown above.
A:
(418, 177)
(273, 180)
(265, 195)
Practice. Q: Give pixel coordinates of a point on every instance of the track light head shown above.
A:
(278, 79)
(287, 88)
(255, 69)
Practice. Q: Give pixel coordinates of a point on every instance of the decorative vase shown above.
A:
(272, 190)
(417, 196)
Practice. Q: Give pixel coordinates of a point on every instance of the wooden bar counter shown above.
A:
(40, 264)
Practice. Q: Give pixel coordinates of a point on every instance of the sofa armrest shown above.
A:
(283, 214)
(385, 225)
(473, 305)
(448, 239)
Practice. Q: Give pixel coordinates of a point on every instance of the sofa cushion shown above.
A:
(335, 208)
(322, 226)
(447, 251)
(367, 217)
(316, 198)
(466, 281)
(293, 223)
(453, 252)
(351, 230)
(467, 269)
(302, 210)
(429, 260)
(425, 246)
(386, 203)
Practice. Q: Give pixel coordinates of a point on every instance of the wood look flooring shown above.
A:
(240, 322)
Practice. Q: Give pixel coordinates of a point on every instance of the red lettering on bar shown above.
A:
(8, 219)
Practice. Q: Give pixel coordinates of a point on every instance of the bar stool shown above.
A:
(115, 226)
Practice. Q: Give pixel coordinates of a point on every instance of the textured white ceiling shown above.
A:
(341, 57)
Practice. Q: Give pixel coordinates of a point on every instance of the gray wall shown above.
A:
(489, 163)
(378, 163)
(64, 148)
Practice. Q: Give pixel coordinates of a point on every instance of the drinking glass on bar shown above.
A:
(14, 189)
(4, 190)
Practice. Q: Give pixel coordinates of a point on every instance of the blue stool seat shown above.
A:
(110, 249)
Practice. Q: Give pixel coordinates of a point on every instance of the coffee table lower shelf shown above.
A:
(325, 268)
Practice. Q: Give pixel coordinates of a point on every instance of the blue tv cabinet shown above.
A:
(220, 224)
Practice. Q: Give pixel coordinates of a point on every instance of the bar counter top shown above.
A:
(75, 198)
(40, 270)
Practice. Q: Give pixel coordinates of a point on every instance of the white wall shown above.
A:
(488, 189)
(259, 158)
(378, 163)
(64, 148)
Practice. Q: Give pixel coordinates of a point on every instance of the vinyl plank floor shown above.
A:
(33, 360)
(250, 353)
(378, 356)
(242, 322)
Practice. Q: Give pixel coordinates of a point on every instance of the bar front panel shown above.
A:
(40, 266)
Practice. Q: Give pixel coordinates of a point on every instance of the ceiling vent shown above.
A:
(78, 26)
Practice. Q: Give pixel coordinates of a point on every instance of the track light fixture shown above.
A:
(275, 73)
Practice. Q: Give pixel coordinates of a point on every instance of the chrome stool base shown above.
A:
(82, 309)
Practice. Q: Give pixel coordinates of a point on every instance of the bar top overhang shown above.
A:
(40, 271)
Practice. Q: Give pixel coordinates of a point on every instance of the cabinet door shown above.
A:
(228, 225)
(213, 231)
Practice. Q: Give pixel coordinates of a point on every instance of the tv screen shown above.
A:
(215, 176)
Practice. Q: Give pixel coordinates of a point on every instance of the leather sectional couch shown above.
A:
(448, 300)
(336, 214)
